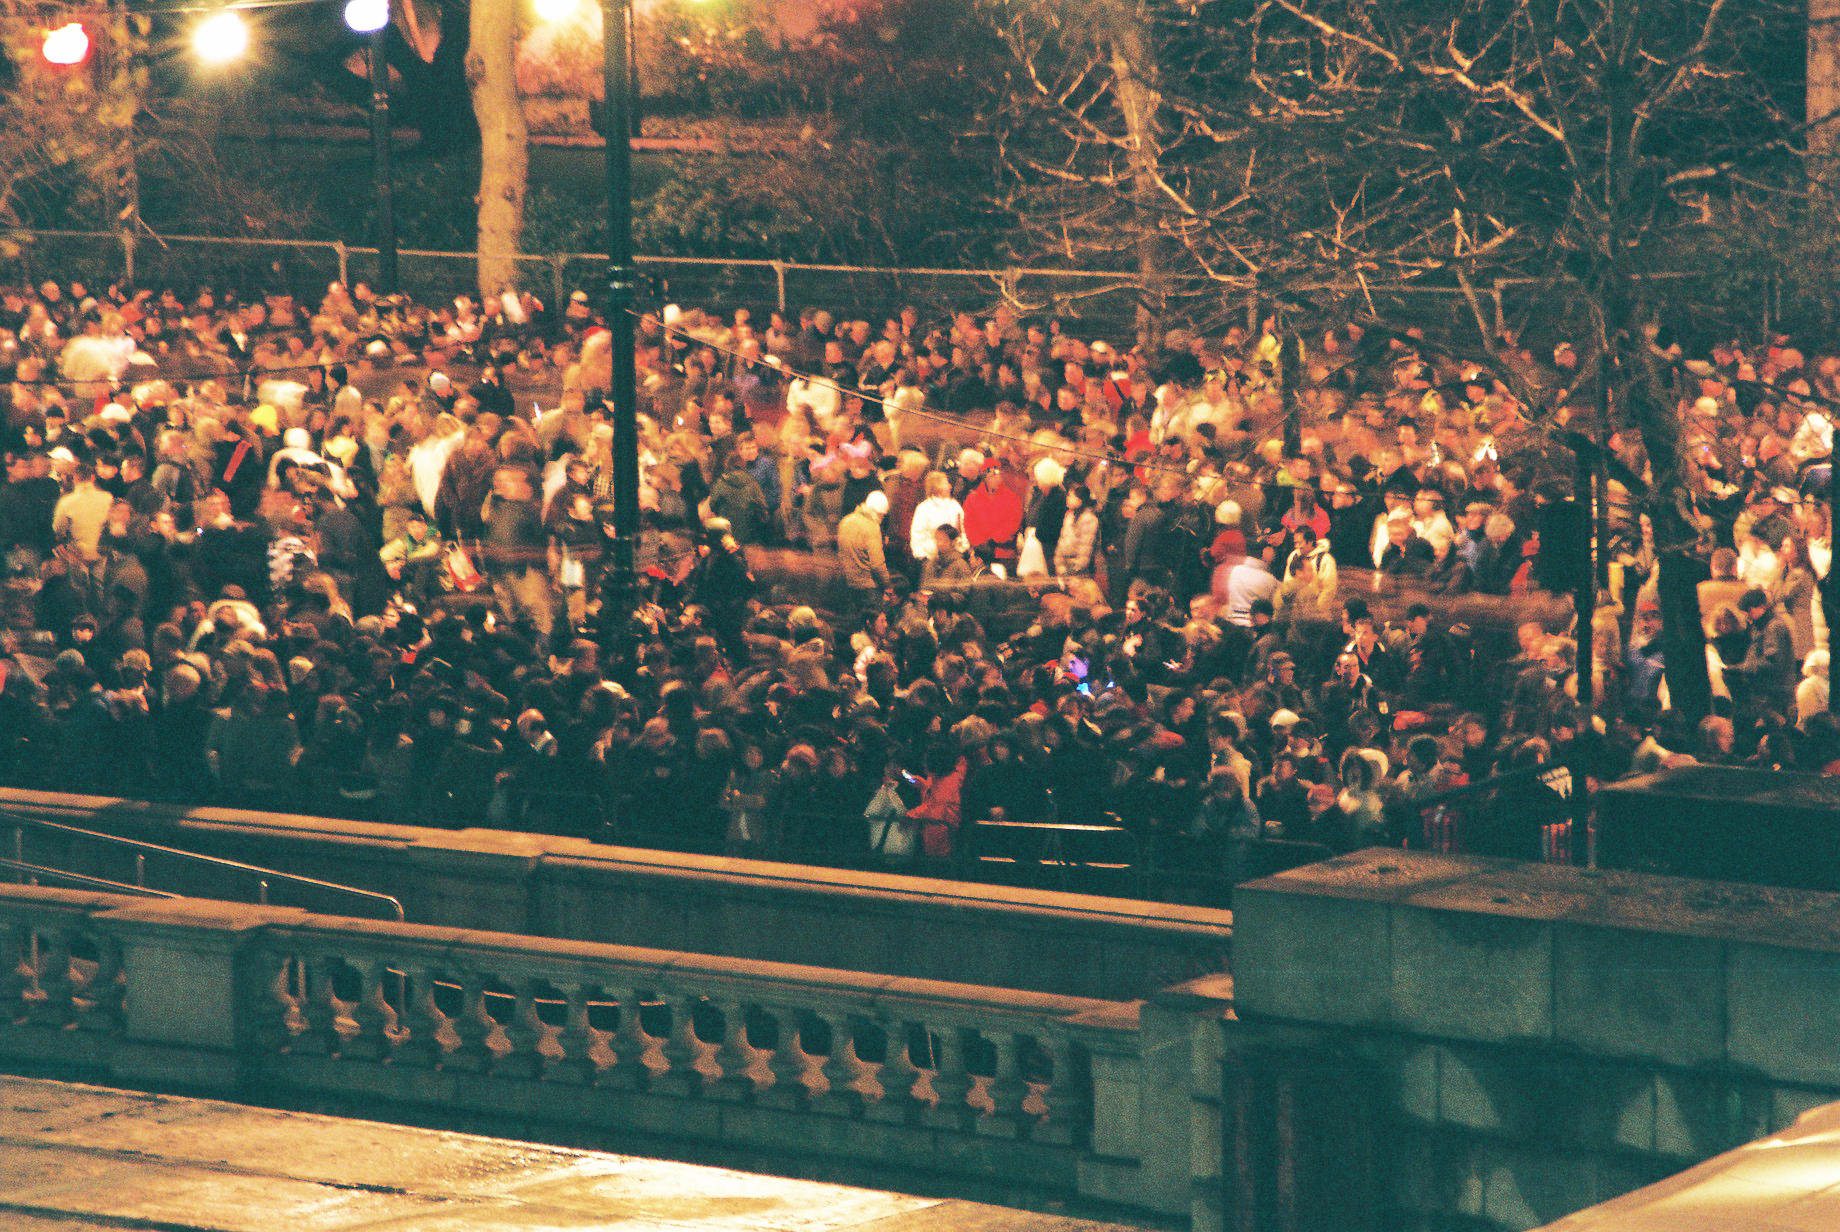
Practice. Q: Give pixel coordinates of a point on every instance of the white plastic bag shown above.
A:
(1033, 562)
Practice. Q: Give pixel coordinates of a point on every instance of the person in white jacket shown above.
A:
(938, 509)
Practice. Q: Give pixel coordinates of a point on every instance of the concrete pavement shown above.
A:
(83, 1157)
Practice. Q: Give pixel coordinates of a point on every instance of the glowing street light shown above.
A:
(221, 38)
(367, 16)
(555, 11)
(66, 45)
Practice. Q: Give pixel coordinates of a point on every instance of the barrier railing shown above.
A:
(687, 1026)
(1107, 298)
(336, 1007)
(1444, 818)
(265, 878)
(1097, 297)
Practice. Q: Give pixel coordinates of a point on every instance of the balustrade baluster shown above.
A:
(474, 1026)
(281, 1019)
(952, 1080)
(323, 1009)
(690, 1064)
(371, 1013)
(52, 1004)
(905, 1092)
(583, 1048)
(102, 992)
(1068, 1097)
(738, 1061)
(847, 1079)
(425, 1030)
(17, 974)
(1008, 1089)
(526, 1033)
(637, 1057)
(794, 1070)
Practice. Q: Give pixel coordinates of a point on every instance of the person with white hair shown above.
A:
(859, 547)
(1041, 522)
(937, 509)
(820, 395)
(1811, 692)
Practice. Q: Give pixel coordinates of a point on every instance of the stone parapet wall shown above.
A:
(925, 928)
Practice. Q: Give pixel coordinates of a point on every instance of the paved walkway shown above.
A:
(83, 1157)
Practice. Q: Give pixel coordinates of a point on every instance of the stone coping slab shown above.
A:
(79, 1157)
(1802, 919)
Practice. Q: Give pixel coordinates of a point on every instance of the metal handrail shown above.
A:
(83, 879)
(141, 848)
(1481, 786)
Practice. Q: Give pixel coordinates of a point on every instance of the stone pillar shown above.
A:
(193, 991)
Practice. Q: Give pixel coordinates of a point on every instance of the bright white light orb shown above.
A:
(221, 38)
(556, 10)
(66, 45)
(367, 16)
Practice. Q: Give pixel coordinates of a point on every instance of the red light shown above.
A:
(66, 45)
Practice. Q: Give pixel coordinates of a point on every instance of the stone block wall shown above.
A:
(1535, 1039)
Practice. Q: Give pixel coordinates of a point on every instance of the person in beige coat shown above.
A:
(859, 547)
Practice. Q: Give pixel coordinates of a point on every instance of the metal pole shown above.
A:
(380, 162)
(1830, 589)
(616, 122)
(1584, 601)
(635, 101)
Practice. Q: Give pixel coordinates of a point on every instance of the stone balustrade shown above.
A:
(838, 1044)
(1000, 1093)
(59, 969)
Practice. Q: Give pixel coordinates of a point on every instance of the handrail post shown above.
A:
(779, 281)
(140, 869)
(140, 847)
(344, 254)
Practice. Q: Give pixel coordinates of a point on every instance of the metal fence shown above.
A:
(304, 267)
(1102, 300)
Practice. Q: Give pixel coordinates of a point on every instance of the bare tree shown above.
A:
(1615, 138)
(1338, 154)
(66, 131)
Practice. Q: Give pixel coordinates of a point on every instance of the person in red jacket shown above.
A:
(941, 795)
(993, 517)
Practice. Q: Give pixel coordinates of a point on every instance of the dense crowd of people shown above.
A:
(352, 556)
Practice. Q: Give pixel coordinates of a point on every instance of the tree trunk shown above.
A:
(1139, 101)
(1823, 93)
(504, 156)
(1683, 641)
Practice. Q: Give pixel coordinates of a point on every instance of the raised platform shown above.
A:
(89, 1157)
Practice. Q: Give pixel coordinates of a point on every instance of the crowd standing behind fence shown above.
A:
(345, 556)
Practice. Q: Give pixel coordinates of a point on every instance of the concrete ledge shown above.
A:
(917, 927)
(1664, 971)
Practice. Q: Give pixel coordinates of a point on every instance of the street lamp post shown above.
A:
(371, 18)
(380, 160)
(616, 124)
